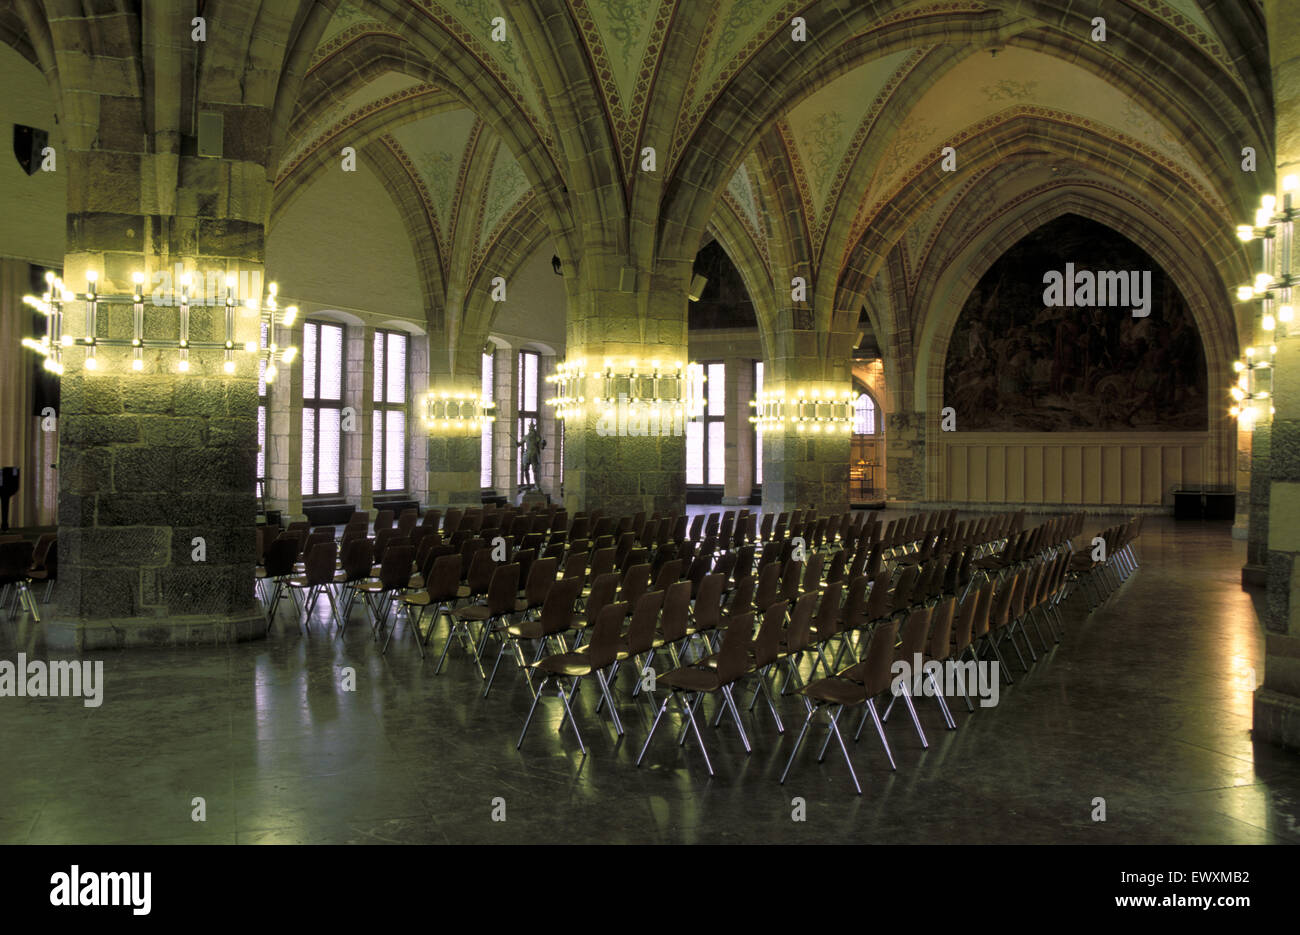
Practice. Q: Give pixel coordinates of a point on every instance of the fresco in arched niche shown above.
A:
(1016, 365)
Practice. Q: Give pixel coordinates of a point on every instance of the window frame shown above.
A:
(523, 415)
(873, 408)
(487, 443)
(381, 408)
(317, 403)
(705, 420)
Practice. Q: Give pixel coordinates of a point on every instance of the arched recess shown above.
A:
(1194, 80)
(1210, 311)
(1040, 132)
(738, 244)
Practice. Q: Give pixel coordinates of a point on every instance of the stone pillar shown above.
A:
(359, 396)
(739, 470)
(284, 439)
(905, 454)
(452, 454)
(613, 463)
(1256, 497)
(1277, 701)
(417, 465)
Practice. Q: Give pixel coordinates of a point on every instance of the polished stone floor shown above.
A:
(1146, 703)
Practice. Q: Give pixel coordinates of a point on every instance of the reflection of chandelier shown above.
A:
(1255, 373)
(814, 410)
(57, 339)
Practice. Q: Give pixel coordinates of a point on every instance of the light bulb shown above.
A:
(1245, 233)
(137, 278)
(1237, 393)
(270, 374)
(289, 354)
(1238, 366)
(183, 366)
(92, 363)
(1268, 203)
(290, 313)
(1285, 313)
(250, 347)
(1267, 323)
(229, 366)
(1290, 183)
(1261, 282)
(92, 276)
(1262, 218)
(137, 365)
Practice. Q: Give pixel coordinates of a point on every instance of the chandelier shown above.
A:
(57, 303)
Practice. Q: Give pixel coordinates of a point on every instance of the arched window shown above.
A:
(864, 415)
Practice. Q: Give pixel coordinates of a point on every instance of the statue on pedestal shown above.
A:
(532, 445)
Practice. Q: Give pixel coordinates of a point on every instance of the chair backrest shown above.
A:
(668, 574)
(769, 587)
(725, 564)
(790, 581)
(481, 567)
(319, 566)
(575, 567)
(915, 631)
(798, 634)
(812, 572)
(1002, 603)
(16, 558)
(826, 622)
(768, 642)
(645, 616)
(602, 562)
(742, 597)
(541, 576)
(604, 645)
(636, 581)
(878, 600)
(557, 609)
(836, 570)
(395, 569)
(42, 547)
(961, 631)
(281, 556)
(733, 657)
(878, 665)
(444, 578)
(383, 520)
(902, 598)
(502, 589)
(941, 628)
(676, 606)
(708, 601)
(357, 559)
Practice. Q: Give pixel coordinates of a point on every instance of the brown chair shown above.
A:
(443, 583)
(317, 579)
(599, 654)
(280, 559)
(498, 605)
(381, 593)
(834, 694)
(556, 617)
(687, 684)
(356, 559)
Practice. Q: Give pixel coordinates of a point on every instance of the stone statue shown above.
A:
(532, 444)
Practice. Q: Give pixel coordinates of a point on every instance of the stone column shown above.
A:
(613, 463)
(284, 439)
(359, 396)
(1277, 701)
(417, 465)
(739, 476)
(1256, 498)
(452, 453)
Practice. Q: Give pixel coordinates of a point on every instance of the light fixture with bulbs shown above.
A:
(816, 409)
(55, 302)
(456, 411)
(652, 387)
(1273, 228)
(1252, 394)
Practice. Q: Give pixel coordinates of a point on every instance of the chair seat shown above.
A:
(836, 691)
(418, 599)
(572, 664)
(526, 630)
(691, 679)
(476, 612)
